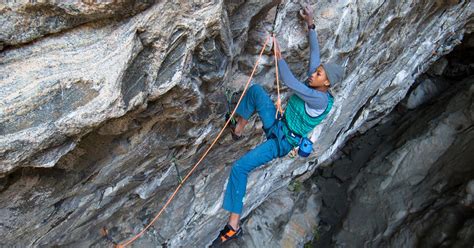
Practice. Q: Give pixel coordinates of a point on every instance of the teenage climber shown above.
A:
(305, 109)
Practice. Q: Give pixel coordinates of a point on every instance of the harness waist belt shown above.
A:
(290, 132)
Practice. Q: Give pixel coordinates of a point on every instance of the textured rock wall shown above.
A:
(421, 156)
(406, 183)
(25, 21)
(93, 116)
(416, 184)
(413, 190)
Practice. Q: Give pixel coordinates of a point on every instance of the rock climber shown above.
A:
(306, 108)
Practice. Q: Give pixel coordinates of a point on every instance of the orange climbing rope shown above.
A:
(131, 240)
(278, 102)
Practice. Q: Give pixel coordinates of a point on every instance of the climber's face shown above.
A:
(318, 78)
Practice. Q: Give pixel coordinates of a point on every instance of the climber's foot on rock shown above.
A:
(226, 235)
(237, 127)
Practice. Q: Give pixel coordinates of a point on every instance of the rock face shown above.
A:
(98, 120)
(410, 174)
(406, 183)
(25, 21)
(409, 194)
(287, 218)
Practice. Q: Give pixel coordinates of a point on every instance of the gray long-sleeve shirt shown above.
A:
(315, 101)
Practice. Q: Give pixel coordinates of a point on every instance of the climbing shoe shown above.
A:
(232, 125)
(225, 236)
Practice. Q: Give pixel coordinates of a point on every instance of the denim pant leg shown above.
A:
(237, 184)
(257, 99)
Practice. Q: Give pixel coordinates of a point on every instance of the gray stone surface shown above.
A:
(91, 117)
(414, 187)
(25, 21)
(425, 91)
(285, 219)
(347, 185)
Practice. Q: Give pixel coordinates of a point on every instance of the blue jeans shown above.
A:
(276, 145)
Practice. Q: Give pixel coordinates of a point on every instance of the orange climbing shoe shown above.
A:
(225, 236)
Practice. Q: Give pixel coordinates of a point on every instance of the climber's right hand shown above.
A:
(307, 14)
